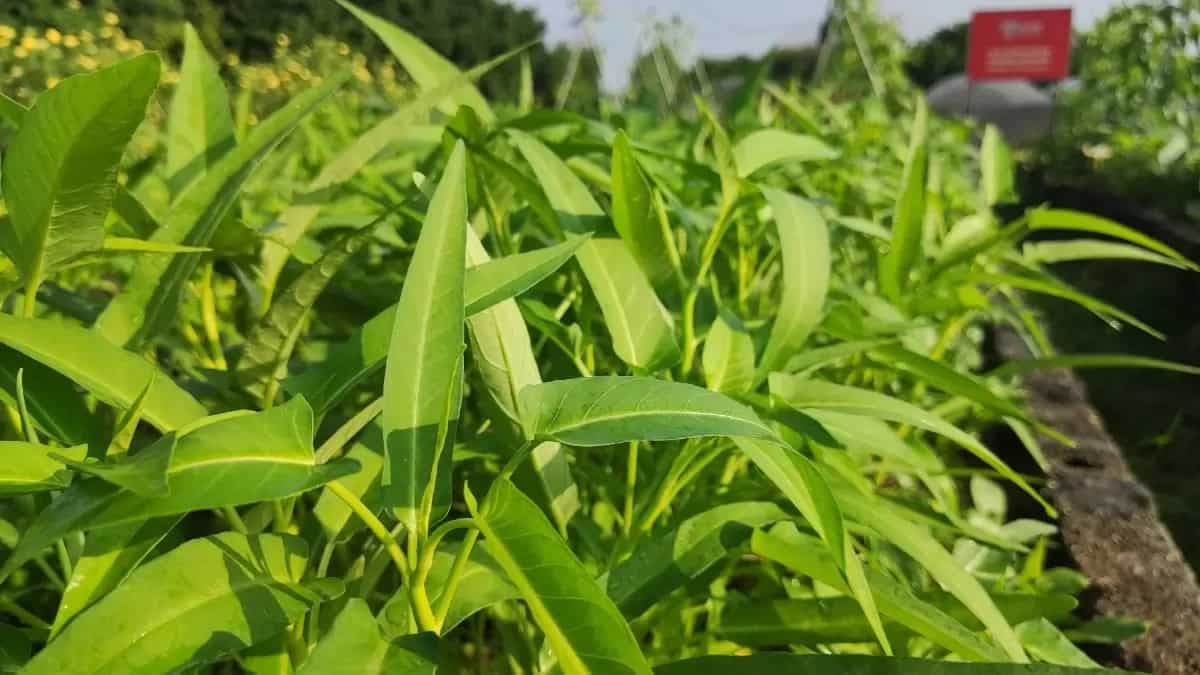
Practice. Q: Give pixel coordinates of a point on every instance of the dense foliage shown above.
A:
(478, 386)
(1129, 128)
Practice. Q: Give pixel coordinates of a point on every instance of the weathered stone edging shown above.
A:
(1111, 526)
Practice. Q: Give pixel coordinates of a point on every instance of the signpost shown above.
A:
(1025, 44)
(1033, 44)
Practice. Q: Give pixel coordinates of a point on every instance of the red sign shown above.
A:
(1030, 44)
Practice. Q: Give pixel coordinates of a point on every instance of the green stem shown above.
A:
(631, 467)
(31, 290)
(373, 524)
(23, 614)
(515, 461)
(456, 572)
(235, 521)
(64, 558)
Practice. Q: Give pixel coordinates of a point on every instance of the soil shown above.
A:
(1111, 526)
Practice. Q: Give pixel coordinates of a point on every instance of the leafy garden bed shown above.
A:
(482, 387)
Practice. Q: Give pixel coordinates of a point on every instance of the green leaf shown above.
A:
(1022, 366)
(54, 404)
(109, 555)
(29, 467)
(583, 628)
(350, 362)
(190, 607)
(810, 360)
(12, 111)
(1046, 643)
(728, 357)
(666, 562)
(642, 330)
(481, 584)
(942, 566)
(422, 380)
(270, 343)
(839, 619)
(1048, 285)
(355, 646)
(873, 436)
(634, 215)
(143, 473)
(766, 147)
(232, 460)
(90, 361)
(804, 394)
(804, 248)
(593, 411)
(199, 121)
(148, 246)
(426, 67)
(494, 281)
(506, 364)
(147, 304)
(996, 168)
(775, 663)
(809, 557)
(60, 167)
(1094, 249)
(402, 128)
(908, 218)
(948, 380)
(1078, 221)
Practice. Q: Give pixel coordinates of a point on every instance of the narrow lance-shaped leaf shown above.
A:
(355, 646)
(505, 361)
(60, 168)
(642, 330)
(948, 572)
(803, 393)
(594, 411)
(423, 373)
(234, 460)
(401, 127)
(583, 628)
(270, 343)
(189, 607)
(995, 166)
(808, 556)
(152, 295)
(804, 248)
(29, 467)
(364, 352)
(634, 215)
(909, 216)
(426, 66)
(199, 121)
(1094, 249)
(766, 147)
(668, 561)
(775, 663)
(91, 361)
(1078, 221)
(728, 357)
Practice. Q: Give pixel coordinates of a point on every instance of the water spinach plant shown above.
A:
(478, 387)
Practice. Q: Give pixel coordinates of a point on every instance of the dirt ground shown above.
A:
(1110, 525)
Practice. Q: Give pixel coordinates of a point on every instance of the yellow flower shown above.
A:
(86, 62)
(30, 43)
(53, 36)
(85, 36)
(74, 4)
(70, 41)
(111, 18)
(343, 49)
(282, 40)
(106, 32)
(51, 82)
(7, 32)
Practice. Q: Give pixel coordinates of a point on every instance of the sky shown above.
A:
(729, 27)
